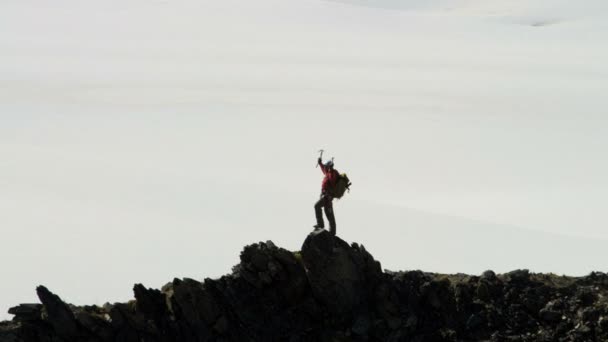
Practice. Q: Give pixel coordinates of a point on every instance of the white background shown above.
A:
(146, 140)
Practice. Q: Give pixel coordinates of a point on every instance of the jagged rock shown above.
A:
(60, 316)
(329, 291)
(26, 312)
(195, 307)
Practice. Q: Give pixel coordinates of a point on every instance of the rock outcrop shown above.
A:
(329, 291)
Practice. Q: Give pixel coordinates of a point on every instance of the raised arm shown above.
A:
(322, 166)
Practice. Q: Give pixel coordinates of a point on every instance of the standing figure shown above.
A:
(325, 202)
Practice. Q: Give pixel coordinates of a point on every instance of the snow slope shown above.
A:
(171, 133)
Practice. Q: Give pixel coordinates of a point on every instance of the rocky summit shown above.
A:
(329, 291)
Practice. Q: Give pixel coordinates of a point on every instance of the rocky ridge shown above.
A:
(329, 291)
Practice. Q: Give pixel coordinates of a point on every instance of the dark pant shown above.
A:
(325, 202)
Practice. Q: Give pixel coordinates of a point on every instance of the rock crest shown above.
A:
(329, 291)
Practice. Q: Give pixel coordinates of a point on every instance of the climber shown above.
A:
(325, 201)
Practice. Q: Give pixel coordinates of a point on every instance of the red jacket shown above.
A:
(330, 179)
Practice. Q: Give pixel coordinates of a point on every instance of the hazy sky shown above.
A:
(143, 140)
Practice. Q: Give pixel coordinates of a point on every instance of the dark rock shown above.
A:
(362, 325)
(590, 315)
(59, 315)
(489, 275)
(150, 302)
(330, 291)
(549, 315)
(475, 321)
(340, 276)
(9, 332)
(585, 296)
(518, 276)
(221, 325)
(198, 308)
(27, 312)
(483, 292)
(602, 322)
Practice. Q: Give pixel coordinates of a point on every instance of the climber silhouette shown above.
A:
(325, 200)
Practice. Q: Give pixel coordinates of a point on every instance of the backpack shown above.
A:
(342, 184)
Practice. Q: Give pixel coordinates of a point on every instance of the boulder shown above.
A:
(341, 276)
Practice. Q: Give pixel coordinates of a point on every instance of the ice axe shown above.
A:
(320, 156)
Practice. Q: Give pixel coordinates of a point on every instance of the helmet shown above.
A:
(330, 164)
